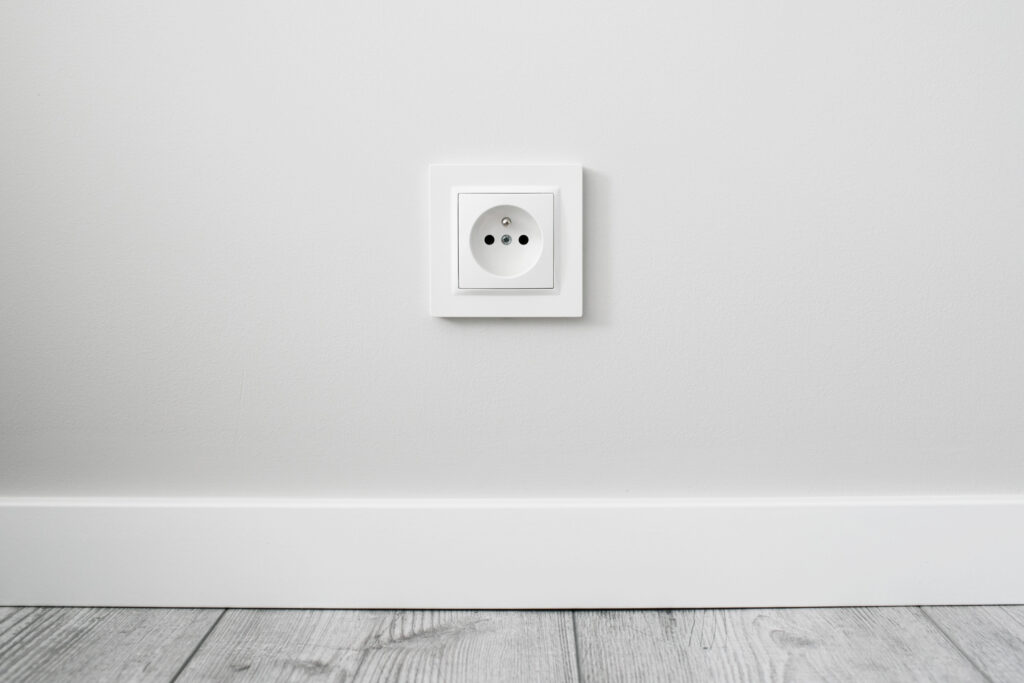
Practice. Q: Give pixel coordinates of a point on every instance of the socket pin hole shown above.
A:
(489, 239)
(523, 239)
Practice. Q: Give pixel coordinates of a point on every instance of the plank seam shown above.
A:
(576, 648)
(199, 645)
(955, 644)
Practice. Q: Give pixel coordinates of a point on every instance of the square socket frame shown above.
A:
(564, 299)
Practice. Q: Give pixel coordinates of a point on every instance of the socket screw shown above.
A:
(506, 239)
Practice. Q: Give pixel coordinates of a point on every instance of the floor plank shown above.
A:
(368, 645)
(7, 617)
(991, 637)
(89, 644)
(857, 644)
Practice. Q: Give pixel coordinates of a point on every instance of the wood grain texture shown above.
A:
(7, 617)
(83, 645)
(293, 646)
(991, 637)
(854, 644)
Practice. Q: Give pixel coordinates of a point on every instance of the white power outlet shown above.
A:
(506, 241)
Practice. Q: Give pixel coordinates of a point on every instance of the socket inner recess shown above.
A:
(506, 257)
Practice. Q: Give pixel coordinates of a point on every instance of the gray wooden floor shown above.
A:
(187, 645)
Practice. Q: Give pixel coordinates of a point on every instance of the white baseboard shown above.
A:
(512, 553)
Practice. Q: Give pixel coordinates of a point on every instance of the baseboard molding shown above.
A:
(606, 553)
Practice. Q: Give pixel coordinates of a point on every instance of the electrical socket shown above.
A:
(506, 241)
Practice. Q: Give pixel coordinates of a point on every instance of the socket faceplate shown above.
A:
(533, 267)
(506, 241)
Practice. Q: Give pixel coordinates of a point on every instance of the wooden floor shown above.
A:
(188, 645)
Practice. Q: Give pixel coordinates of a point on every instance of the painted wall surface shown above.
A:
(804, 248)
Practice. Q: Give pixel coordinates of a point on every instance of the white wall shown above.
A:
(804, 248)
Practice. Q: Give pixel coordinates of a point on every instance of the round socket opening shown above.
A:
(521, 241)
